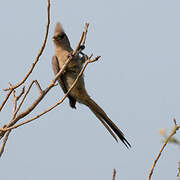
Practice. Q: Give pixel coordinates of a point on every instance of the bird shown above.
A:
(62, 50)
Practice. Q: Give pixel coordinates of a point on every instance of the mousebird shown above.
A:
(78, 93)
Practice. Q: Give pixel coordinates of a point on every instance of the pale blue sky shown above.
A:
(136, 82)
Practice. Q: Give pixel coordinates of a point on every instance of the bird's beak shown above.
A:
(54, 38)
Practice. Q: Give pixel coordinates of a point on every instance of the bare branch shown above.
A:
(5, 100)
(10, 89)
(178, 175)
(162, 148)
(14, 101)
(22, 92)
(85, 33)
(20, 104)
(40, 52)
(82, 38)
(5, 138)
(38, 86)
(114, 174)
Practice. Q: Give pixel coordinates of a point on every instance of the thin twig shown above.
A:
(40, 52)
(10, 89)
(176, 127)
(5, 138)
(5, 100)
(22, 92)
(25, 95)
(38, 86)
(3, 143)
(85, 31)
(14, 100)
(114, 174)
(59, 102)
(82, 38)
(178, 175)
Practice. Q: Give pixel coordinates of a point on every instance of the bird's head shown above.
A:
(60, 38)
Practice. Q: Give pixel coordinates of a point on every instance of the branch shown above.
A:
(4, 142)
(22, 92)
(114, 174)
(5, 100)
(27, 92)
(176, 127)
(14, 102)
(82, 38)
(178, 175)
(5, 138)
(10, 89)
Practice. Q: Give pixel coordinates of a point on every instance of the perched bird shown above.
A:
(78, 94)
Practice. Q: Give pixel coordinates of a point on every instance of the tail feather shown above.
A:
(106, 126)
(109, 125)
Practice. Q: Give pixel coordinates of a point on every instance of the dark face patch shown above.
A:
(61, 36)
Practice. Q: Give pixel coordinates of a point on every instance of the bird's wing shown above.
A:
(56, 69)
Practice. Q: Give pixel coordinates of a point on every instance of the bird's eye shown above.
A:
(61, 36)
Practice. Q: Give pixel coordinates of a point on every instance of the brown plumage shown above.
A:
(78, 93)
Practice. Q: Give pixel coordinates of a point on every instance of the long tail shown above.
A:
(109, 125)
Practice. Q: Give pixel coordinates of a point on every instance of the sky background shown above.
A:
(136, 82)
